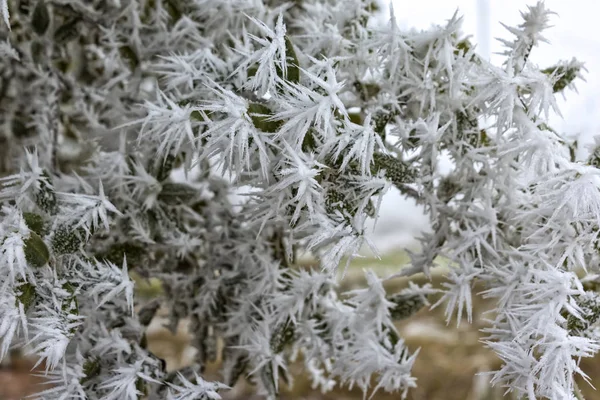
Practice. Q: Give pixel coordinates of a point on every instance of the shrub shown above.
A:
(315, 113)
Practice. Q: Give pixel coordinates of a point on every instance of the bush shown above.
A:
(315, 113)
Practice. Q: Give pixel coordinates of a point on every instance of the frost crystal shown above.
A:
(128, 126)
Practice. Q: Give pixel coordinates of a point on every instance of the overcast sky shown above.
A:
(576, 33)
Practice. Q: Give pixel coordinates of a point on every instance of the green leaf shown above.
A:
(27, 295)
(336, 201)
(293, 66)
(67, 32)
(91, 369)
(367, 90)
(37, 51)
(372, 7)
(464, 46)
(144, 341)
(70, 305)
(292, 70)
(147, 313)
(174, 9)
(260, 115)
(282, 337)
(395, 170)
(65, 240)
(563, 75)
(36, 252)
(252, 70)
(45, 198)
(405, 305)
(19, 129)
(35, 223)
(590, 313)
(197, 115)
(165, 167)
(118, 251)
(130, 56)
(147, 11)
(382, 118)
(40, 19)
(355, 118)
(308, 142)
(69, 287)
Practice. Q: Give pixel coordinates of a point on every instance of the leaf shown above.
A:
(405, 305)
(144, 341)
(464, 46)
(165, 167)
(268, 380)
(40, 19)
(562, 75)
(70, 305)
(395, 170)
(292, 71)
(34, 222)
(236, 365)
(65, 240)
(19, 129)
(91, 369)
(293, 66)
(282, 337)
(309, 143)
(355, 118)
(260, 115)
(146, 14)
(45, 198)
(174, 9)
(197, 115)
(177, 193)
(67, 32)
(37, 51)
(130, 56)
(367, 90)
(147, 313)
(252, 70)
(142, 388)
(118, 251)
(27, 295)
(36, 252)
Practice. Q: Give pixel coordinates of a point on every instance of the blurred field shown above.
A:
(448, 366)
